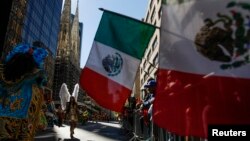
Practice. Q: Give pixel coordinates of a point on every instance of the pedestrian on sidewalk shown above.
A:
(21, 92)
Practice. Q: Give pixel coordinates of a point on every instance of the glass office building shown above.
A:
(42, 23)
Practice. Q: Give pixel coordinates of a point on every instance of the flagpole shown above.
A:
(102, 9)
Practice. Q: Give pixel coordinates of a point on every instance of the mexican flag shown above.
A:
(204, 70)
(117, 50)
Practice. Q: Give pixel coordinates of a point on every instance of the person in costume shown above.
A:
(69, 103)
(72, 112)
(21, 92)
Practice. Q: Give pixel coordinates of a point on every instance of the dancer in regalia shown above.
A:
(21, 92)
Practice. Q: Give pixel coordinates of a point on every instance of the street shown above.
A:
(91, 131)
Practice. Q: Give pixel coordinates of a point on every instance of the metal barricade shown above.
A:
(142, 132)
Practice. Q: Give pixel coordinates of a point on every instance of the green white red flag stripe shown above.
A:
(118, 47)
(100, 51)
(203, 75)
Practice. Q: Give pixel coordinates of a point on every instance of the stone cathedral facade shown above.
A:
(67, 66)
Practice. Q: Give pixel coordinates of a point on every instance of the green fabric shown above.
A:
(125, 34)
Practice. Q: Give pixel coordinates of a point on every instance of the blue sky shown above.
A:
(90, 16)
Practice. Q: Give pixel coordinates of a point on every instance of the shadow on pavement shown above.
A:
(47, 135)
(106, 130)
(75, 139)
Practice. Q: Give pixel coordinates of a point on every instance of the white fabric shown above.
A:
(130, 64)
(64, 95)
(76, 91)
(180, 24)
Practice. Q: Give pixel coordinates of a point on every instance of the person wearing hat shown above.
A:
(151, 87)
(147, 103)
(151, 97)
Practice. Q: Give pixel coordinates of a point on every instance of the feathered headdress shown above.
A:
(38, 53)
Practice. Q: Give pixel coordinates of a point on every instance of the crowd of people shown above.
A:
(138, 114)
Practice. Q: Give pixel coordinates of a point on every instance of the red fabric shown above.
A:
(104, 91)
(145, 116)
(186, 103)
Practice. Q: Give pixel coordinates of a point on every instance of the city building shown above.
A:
(11, 24)
(150, 61)
(67, 66)
(42, 24)
(33, 22)
(7, 4)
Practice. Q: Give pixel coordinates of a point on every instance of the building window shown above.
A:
(153, 15)
(155, 42)
(150, 69)
(151, 2)
(156, 59)
(155, 23)
(160, 13)
(148, 56)
(144, 64)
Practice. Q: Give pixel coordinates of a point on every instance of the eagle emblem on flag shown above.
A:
(113, 64)
(227, 38)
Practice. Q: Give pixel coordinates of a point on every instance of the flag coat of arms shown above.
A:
(203, 76)
(118, 47)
